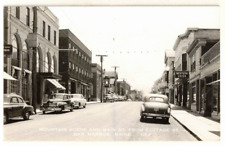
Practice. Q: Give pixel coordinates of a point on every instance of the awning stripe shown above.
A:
(56, 84)
(213, 82)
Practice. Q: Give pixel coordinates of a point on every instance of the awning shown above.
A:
(27, 71)
(56, 84)
(17, 68)
(8, 77)
(214, 82)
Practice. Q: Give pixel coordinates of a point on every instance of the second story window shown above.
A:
(18, 12)
(69, 65)
(49, 33)
(28, 16)
(54, 37)
(43, 32)
(193, 63)
(184, 61)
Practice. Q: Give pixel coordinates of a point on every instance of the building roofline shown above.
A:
(187, 32)
(74, 38)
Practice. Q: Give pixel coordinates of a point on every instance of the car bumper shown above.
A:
(155, 115)
(51, 108)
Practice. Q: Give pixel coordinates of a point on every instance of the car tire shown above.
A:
(84, 105)
(5, 118)
(142, 118)
(26, 115)
(71, 109)
(79, 105)
(62, 108)
(43, 112)
(166, 120)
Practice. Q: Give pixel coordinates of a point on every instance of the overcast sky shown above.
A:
(134, 38)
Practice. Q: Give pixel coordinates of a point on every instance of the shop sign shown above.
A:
(8, 49)
(181, 74)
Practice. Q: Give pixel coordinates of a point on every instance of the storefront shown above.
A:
(181, 97)
(47, 85)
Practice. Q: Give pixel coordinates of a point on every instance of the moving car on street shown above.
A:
(15, 106)
(78, 100)
(59, 102)
(156, 105)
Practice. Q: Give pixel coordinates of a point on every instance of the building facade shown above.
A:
(44, 42)
(110, 79)
(204, 67)
(193, 87)
(169, 62)
(17, 27)
(33, 33)
(74, 64)
(123, 89)
(96, 81)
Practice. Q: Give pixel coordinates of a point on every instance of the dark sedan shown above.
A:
(156, 105)
(15, 106)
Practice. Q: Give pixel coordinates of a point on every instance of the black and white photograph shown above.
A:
(111, 71)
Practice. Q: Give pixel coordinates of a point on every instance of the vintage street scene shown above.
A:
(111, 73)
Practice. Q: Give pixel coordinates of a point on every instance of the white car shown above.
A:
(78, 100)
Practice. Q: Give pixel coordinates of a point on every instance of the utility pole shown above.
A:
(115, 67)
(101, 60)
(34, 69)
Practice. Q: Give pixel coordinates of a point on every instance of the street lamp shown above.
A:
(101, 60)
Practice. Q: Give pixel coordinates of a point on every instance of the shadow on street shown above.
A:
(155, 121)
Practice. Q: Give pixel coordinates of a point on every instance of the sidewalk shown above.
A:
(203, 128)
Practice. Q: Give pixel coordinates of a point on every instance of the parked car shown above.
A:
(109, 97)
(15, 106)
(58, 102)
(78, 100)
(156, 105)
(121, 98)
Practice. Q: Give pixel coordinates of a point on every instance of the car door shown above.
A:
(20, 107)
(14, 105)
(82, 100)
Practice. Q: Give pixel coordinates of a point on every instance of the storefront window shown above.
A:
(193, 93)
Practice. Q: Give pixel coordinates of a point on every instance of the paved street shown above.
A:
(119, 121)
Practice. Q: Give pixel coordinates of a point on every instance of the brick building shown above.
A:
(96, 81)
(74, 64)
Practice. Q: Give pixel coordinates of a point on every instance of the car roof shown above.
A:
(11, 95)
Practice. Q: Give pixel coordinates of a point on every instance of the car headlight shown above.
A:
(168, 110)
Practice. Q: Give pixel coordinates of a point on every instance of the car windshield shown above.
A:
(58, 97)
(77, 96)
(155, 99)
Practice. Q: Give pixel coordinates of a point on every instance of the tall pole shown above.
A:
(115, 67)
(101, 60)
(34, 69)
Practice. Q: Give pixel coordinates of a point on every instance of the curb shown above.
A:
(186, 128)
